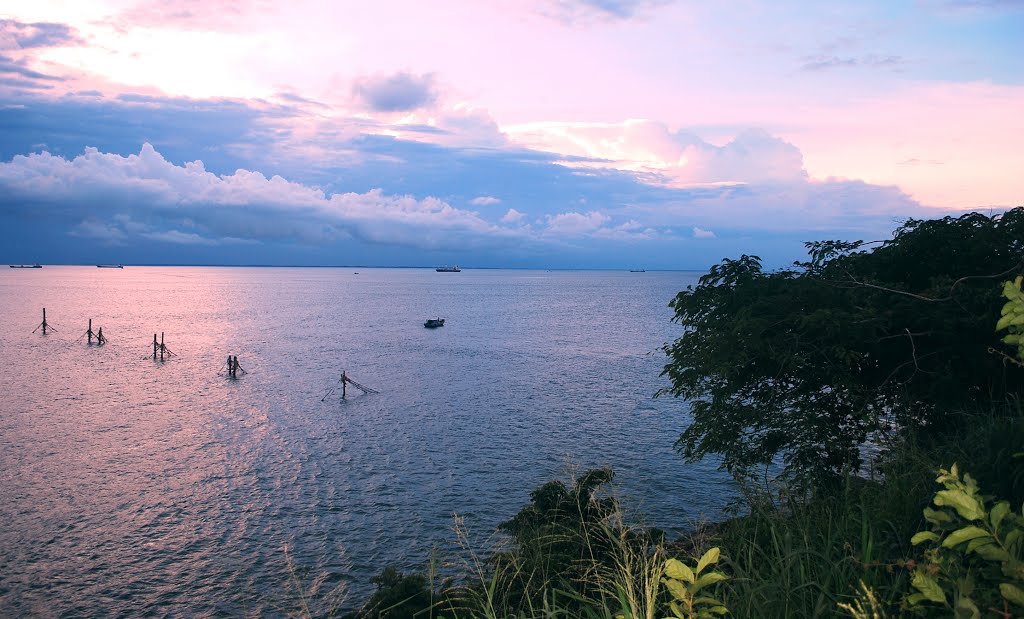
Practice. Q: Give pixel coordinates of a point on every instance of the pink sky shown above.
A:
(923, 97)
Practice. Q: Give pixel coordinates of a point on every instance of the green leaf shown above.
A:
(966, 609)
(978, 542)
(677, 610)
(710, 557)
(992, 552)
(1012, 538)
(708, 579)
(964, 504)
(936, 516)
(923, 536)
(999, 511)
(1012, 593)
(963, 535)
(679, 570)
(717, 610)
(928, 587)
(676, 588)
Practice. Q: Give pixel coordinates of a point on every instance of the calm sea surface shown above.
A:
(130, 487)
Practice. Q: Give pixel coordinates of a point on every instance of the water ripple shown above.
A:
(140, 488)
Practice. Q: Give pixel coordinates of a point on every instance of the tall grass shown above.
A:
(803, 558)
(570, 553)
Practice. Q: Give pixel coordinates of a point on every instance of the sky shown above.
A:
(498, 133)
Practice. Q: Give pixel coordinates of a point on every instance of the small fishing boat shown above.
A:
(433, 323)
(637, 271)
(26, 266)
(454, 269)
(109, 266)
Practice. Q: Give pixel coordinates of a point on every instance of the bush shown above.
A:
(806, 365)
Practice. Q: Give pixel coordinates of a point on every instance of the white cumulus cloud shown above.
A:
(571, 224)
(512, 216)
(485, 200)
(105, 194)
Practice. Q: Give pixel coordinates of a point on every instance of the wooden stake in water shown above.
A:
(160, 348)
(345, 380)
(234, 366)
(44, 325)
(89, 333)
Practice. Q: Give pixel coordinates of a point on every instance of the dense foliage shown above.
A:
(864, 339)
(974, 553)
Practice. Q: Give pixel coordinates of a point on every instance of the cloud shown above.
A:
(226, 134)
(678, 158)
(978, 5)
(16, 35)
(104, 232)
(701, 233)
(16, 39)
(823, 62)
(401, 92)
(128, 202)
(259, 173)
(485, 200)
(22, 83)
(585, 11)
(512, 216)
(20, 67)
(100, 193)
(632, 231)
(205, 14)
(573, 224)
(178, 237)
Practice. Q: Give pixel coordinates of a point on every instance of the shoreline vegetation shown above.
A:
(880, 382)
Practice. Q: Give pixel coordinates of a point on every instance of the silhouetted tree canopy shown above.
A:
(805, 364)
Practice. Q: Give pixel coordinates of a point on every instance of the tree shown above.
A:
(806, 364)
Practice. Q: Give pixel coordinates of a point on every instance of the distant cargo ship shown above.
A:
(109, 266)
(26, 266)
(454, 269)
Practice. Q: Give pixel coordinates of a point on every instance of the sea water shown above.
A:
(130, 486)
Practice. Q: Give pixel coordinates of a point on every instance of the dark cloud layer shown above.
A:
(181, 129)
(18, 67)
(20, 35)
(400, 92)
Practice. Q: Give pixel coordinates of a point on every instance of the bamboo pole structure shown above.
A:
(345, 381)
(44, 325)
